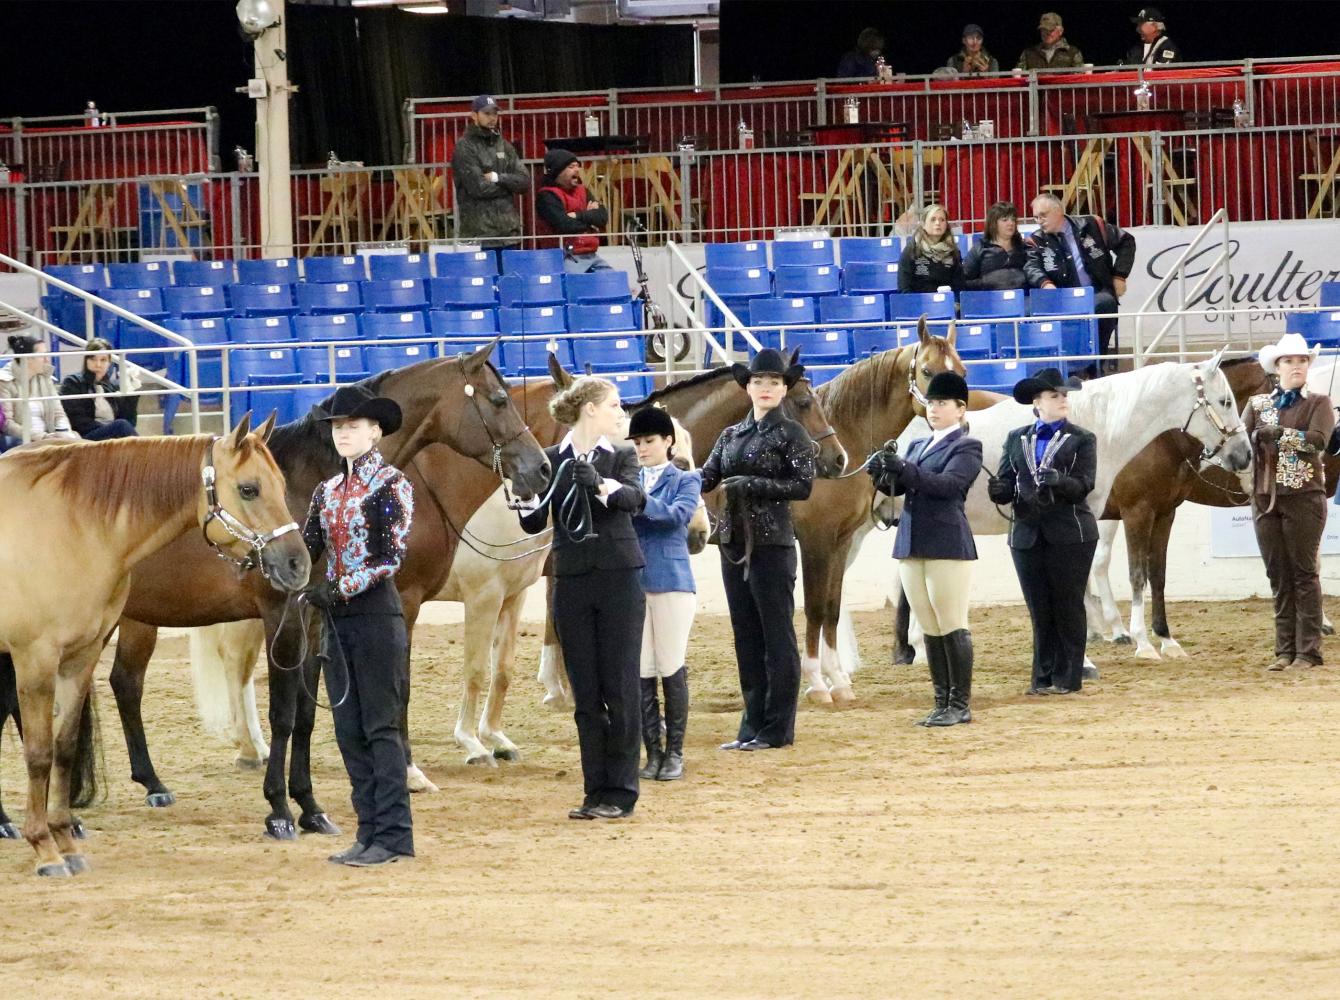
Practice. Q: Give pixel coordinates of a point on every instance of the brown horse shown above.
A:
(462, 402)
(91, 513)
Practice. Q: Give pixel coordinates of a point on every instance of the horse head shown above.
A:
(804, 407)
(243, 509)
(930, 356)
(1214, 418)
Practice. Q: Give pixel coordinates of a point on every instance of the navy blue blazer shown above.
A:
(933, 524)
(663, 531)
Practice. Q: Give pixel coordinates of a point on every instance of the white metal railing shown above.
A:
(1178, 272)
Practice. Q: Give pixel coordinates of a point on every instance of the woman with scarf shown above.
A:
(1290, 429)
(46, 419)
(1047, 468)
(108, 413)
(931, 261)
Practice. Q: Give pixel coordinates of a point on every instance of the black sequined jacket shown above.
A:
(777, 457)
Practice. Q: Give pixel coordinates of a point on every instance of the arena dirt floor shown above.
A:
(1172, 829)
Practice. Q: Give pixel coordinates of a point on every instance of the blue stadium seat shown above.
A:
(254, 370)
(209, 364)
(992, 305)
(384, 357)
(64, 309)
(532, 320)
(1326, 329)
(203, 272)
(263, 300)
(1330, 293)
(870, 250)
(974, 340)
(596, 317)
(467, 264)
(547, 261)
(873, 340)
(150, 274)
(910, 305)
(1078, 337)
(89, 277)
(259, 329)
(327, 269)
(597, 286)
(145, 302)
(468, 291)
(608, 354)
(853, 309)
(802, 253)
(401, 295)
(270, 271)
(824, 279)
(870, 278)
(965, 242)
(464, 323)
(396, 266)
(819, 375)
(531, 357)
(819, 346)
(314, 363)
(741, 282)
(632, 388)
(778, 313)
(327, 326)
(307, 396)
(1001, 376)
(530, 290)
(195, 301)
(390, 326)
(736, 256)
(316, 297)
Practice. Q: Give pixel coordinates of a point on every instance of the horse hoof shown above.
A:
(56, 869)
(482, 760)
(1122, 640)
(556, 702)
(280, 829)
(842, 695)
(416, 781)
(318, 823)
(904, 656)
(8, 831)
(1147, 652)
(1327, 628)
(1089, 672)
(818, 696)
(160, 800)
(77, 863)
(1173, 650)
(248, 763)
(77, 830)
(511, 756)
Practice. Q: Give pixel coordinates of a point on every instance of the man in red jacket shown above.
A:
(567, 211)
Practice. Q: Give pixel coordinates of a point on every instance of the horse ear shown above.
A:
(242, 429)
(266, 429)
(953, 332)
(795, 357)
(561, 376)
(923, 334)
(479, 358)
(1216, 361)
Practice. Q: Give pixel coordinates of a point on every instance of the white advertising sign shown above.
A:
(1233, 536)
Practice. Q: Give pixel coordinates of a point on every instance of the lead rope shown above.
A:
(304, 622)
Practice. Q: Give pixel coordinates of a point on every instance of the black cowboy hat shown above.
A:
(1026, 390)
(769, 362)
(948, 385)
(353, 401)
(651, 420)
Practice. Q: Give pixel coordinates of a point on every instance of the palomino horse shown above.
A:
(92, 512)
(462, 402)
(1145, 498)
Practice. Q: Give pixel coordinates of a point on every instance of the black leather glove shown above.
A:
(320, 595)
(584, 474)
(738, 485)
(875, 468)
(1049, 477)
(999, 490)
(894, 463)
(1269, 432)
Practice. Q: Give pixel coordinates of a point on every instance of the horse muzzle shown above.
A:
(1237, 453)
(286, 564)
(528, 471)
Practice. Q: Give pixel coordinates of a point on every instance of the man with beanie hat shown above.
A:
(973, 59)
(488, 176)
(566, 210)
(1053, 51)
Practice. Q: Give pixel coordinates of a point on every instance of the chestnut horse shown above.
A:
(90, 514)
(460, 401)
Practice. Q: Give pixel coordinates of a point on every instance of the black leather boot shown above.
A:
(676, 722)
(651, 728)
(958, 650)
(936, 655)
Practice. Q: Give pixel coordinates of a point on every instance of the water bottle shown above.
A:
(1241, 119)
(246, 163)
(851, 111)
(965, 130)
(883, 71)
(92, 116)
(1143, 96)
(332, 161)
(746, 135)
(592, 124)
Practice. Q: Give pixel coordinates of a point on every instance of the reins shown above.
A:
(217, 512)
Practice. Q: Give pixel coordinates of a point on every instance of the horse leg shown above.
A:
(1139, 528)
(415, 779)
(1105, 609)
(284, 686)
(848, 647)
(36, 679)
(504, 655)
(239, 657)
(1158, 572)
(301, 715)
(838, 680)
(135, 644)
(814, 571)
(9, 707)
(553, 674)
(73, 681)
(482, 610)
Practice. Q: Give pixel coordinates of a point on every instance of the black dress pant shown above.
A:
(598, 617)
(1290, 540)
(375, 649)
(1106, 303)
(761, 612)
(1053, 579)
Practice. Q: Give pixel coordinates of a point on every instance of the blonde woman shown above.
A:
(47, 420)
(599, 603)
(931, 260)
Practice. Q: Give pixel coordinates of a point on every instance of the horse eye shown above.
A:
(248, 491)
(498, 399)
(925, 370)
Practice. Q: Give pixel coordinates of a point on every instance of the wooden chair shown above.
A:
(180, 218)
(1179, 192)
(417, 208)
(344, 192)
(1087, 183)
(1324, 175)
(665, 194)
(92, 223)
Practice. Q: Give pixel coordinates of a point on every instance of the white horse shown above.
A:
(1125, 412)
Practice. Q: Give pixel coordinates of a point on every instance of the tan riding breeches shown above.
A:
(665, 632)
(937, 590)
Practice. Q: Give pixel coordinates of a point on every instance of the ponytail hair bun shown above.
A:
(566, 406)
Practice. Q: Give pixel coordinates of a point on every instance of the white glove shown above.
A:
(131, 380)
(491, 177)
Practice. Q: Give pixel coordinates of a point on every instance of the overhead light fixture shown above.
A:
(426, 8)
(256, 16)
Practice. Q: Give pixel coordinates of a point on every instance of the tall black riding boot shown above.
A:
(938, 658)
(651, 728)
(676, 722)
(958, 647)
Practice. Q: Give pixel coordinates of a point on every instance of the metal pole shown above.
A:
(614, 111)
(1156, 176)
(212, 138)
(918, 178)
(411, 140)
(685, 193)
(1034, 99)
(272, 141)
(821, 95)
(1228, 284)
(21, 222)
(235, 199)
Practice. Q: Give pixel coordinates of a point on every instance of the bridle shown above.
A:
(249, 536)
(1216, 421)
(497, 446)
(815, 439)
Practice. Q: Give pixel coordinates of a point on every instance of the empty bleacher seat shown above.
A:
(596, 286)
(593, 317)
(736, 255)
(255, 369)
(778, 313)
(608, 353)
(384, 357)
(314, 363)
(65, 309)
(800, 279)
(394, 266)
(400, 295)
(328, 269)
(873, 340)
(146, 302)
(532, 320)
(910, 305)
(259, 329)
(974, 340)
(1042, 337)
(466, 264)
(1316, 328)
(547, 261)
(209, 364)
(263, 300)
(819, 374)
(965, 242)
(992, 304)
(385, 326)
(870, 277)
(853, 309)
(1078, 336)
(632, 388)
(270, 271)
(150, 274)
(741, 282)
(1330, 293)
(822, 346)
(203, 272)
(463, 322)
(870, 250)
(531, 356)
(461, 292)
(307, 396)
(327, 326)
(802, 253)
(1001, 376)
(316, 297)
(195, 301)
(530, 290)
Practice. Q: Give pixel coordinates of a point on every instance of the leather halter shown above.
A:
(234, 527)
(1216, 421)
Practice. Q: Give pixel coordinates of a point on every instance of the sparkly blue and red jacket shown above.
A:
(364, 521)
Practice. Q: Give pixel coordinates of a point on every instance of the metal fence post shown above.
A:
(614, 111)
(235, 211)
(1249, 91)
(686, 220)
(212, 139)
(1034, 102)
(21, 223)
(411, 140)
(918, 176)
(1156, 177)
(821, 95)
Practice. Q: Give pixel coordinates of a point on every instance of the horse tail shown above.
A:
(222, 657)
(90, 766)
(9, 693)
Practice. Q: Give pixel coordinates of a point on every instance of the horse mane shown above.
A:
(150, 477)
(1116, 401)
(711, 375)
(847, 398)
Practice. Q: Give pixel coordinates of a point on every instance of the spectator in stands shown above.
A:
(1155, 48)
(1053, 52)
(565, 209)
(488, 176)
(996, 261)
(110, 414)
(931, 261)
(973, 59)
(863, 61)
(1069, 251)
(46, 420)
(7, 440)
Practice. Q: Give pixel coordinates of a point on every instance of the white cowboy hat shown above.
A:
(1290, 345)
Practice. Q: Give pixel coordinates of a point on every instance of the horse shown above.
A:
(1144, 503)
(91, 514)
(458, 401)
